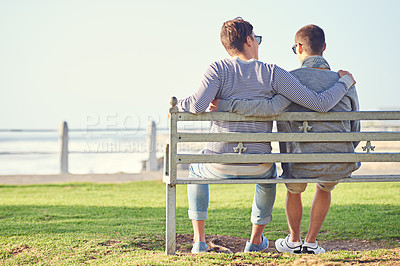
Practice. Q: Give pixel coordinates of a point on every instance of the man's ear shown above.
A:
(324, 47)
(300, 47)
(249, 41)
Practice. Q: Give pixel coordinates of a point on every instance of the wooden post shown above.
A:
(64, 148)
(170, 240)
(152, 164)
(171, 186)
(173, 125)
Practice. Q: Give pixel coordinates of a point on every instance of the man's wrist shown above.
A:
(224, 105)
(346, 80)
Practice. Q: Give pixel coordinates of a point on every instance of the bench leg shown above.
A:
(170, 238)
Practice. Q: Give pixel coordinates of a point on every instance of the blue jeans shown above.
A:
(198, 195)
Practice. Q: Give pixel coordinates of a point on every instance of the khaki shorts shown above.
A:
(297, 188)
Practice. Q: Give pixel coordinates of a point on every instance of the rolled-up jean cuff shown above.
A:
(260, 221)
(198, 216)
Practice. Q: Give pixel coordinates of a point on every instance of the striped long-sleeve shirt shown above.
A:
(234, 78)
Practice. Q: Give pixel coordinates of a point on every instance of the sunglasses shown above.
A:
(294, 47)
(258, 39)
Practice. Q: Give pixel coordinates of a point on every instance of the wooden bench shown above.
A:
(173, 158)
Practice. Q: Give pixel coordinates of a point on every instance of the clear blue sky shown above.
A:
(115, 63)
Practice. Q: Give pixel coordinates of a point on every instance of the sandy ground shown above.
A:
(87, 178)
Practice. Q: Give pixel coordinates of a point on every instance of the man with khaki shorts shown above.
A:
(314, 73)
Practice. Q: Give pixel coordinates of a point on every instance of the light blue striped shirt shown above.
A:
(233, 78)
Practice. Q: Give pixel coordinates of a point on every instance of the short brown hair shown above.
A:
(312, 39)
(234, 34)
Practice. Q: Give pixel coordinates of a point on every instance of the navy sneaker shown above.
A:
(252, 247)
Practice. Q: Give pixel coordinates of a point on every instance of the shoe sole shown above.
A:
(310, 250)
(262, 250)
(258, 250)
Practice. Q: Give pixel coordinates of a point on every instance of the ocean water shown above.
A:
(107, 152)
(90, 152)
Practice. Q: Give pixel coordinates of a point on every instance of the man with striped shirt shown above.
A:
(314, 73)
(244, 77)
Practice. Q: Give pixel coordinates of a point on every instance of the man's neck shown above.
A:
(244, 56)
(305, 56)
(319, 62)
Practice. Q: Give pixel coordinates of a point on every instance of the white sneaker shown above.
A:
(312, 248)
(285, 245)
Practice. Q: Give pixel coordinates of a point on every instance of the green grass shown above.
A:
(125, 223)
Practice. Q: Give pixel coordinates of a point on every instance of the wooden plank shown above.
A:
(292, 116)
(282, 137)
(354, 178)
(285, 157)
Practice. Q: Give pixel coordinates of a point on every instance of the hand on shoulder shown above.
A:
(346, 73)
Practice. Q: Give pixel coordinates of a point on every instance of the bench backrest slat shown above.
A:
(292, 158)
(299, 137)
(353, 179)
(292, 116)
